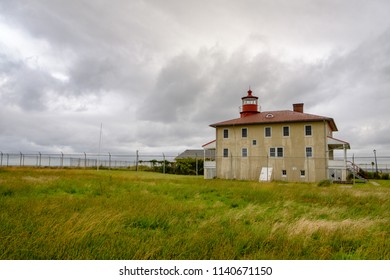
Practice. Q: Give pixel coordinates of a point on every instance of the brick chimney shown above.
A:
(298, 107)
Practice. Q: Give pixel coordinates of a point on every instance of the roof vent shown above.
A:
(269, 116)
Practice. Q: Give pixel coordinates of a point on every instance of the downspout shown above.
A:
(326, 153)
(216, 153)
(235, 152)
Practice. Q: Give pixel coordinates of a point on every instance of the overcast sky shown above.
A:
(157, 73)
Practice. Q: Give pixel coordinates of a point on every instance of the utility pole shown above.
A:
(100, 143)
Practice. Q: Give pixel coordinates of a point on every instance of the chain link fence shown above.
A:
(150, 162)
(81, 160)
(138, 160)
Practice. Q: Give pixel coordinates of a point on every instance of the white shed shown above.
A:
(210, 168)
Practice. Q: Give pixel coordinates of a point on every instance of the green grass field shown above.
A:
(89, 214)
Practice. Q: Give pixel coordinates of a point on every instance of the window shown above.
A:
(309, 152)
(226, 133)
(276, 152)
(254, 142)
(244, 152)
(286, 131)
(303, 173)
(268, 132)
(244, 133)
(280, 152)
(272, 152)
(250, 101)
(225, 152)
(284, 173)
(308, 131)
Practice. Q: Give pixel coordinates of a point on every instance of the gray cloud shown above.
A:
(23, 86)
(157, 73)
(349, 87)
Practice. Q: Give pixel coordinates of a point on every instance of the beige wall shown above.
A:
(294, 147)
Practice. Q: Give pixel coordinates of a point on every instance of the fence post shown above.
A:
(20, 160)
(40, 159)
(353, 166)
(109, 160)
(163, 163)
(196, 163)
(85, 160)
(1, 161)
(136, 161)
(62, 159)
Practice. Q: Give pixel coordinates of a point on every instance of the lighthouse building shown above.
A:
(287, 145)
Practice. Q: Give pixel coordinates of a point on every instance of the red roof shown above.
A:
(269, 117)
(204, 145)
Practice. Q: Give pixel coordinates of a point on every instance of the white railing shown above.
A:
(336, 164)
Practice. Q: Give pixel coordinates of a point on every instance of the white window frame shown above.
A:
(223, 133)
(287, 130)
(270, 132)
(311, 152)
(303, 173)
(223, 152)
(242, 132)
(274, 152)
(277, 152)
(311, 130)
(244, 155)
(284, 173)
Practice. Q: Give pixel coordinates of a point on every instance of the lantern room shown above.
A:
(249, 105)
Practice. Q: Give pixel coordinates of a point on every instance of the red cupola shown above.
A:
(249, 105)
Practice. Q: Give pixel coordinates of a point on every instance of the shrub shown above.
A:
(186, 166)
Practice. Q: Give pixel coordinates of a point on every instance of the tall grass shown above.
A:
(85, 214)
